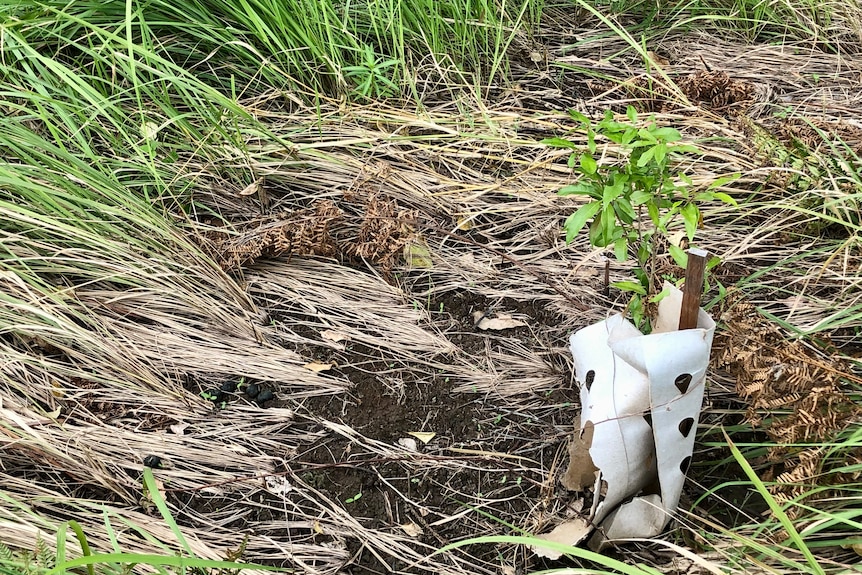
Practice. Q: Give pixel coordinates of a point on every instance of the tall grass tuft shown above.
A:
(831, 25)
(301, 47)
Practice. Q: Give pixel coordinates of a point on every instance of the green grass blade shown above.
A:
(569, 550)
(159, 501)
(776, 509)
(155, 560)
(85, 545)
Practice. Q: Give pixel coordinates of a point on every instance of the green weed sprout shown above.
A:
(373, 76)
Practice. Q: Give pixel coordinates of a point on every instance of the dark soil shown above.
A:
(460, 466)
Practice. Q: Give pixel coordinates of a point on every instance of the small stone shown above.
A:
(228, 387)
(252, 390)
(264, 396)
(153, 462)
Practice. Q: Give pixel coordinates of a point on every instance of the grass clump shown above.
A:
(304, 47)
(824, 24)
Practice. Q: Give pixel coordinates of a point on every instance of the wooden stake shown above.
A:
(693, 288)
(607, 290)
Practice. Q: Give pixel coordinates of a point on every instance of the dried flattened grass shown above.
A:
(123, 368)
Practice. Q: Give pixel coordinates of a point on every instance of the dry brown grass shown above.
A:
(124, 366)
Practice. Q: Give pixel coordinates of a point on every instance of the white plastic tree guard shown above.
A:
(641, 397)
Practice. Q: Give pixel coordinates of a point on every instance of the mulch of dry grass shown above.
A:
(462, 190)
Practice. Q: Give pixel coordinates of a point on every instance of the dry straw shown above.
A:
(124, 354)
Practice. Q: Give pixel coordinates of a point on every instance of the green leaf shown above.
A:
(560, 143)
(724, 180)
(642, 144)
(683, 148)
(611, 192)
(668, 188)
(691, 217)
(603, 230)
(609, 227)
(388, 63)
(614, 136)
(82, 541)
(660, 153)
(591, 140)
(639, 197)
(660, 295)
(596, 232)
(568, 550)
(581, 188)
(588, 164)
(679, 256)
(632, 114)
(152, 490)
(636, 307)
(722, 291)
(576, 221)
(646, 134)
(621, 249)
(628, 136)
(669, 215)
(579, 117)
(630, 286)
(612, 129)
(351, 71)
(625, 211)
(713, 262)
(776, 508)
(721, 196)
(183, 564)
(418, 256)
(667, 134)
(652, 209)
(621, 177)
(646, 157)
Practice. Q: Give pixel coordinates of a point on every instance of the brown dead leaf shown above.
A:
(334, 336)
(411, 529)
(250, 189)
(568, 533)
(423, 436)
(502, 321)
(856, 547)
(317, 367)
(581, 472)
(658, 59)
